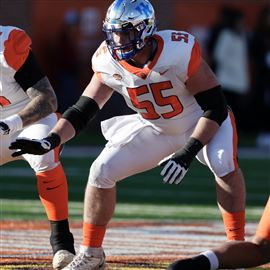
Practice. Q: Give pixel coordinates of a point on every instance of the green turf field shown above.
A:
(140, 196)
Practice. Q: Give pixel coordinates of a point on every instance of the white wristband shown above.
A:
(14, 123)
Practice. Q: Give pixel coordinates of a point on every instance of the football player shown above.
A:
(234, 253)
(181, 114)
(27, 109)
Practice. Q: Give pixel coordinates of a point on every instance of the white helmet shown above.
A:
(135, 21)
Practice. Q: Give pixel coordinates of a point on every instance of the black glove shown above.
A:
(176, 166)
(4, 128)
(34, 146)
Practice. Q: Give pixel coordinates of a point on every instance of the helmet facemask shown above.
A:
(125, 42)
(127, 28)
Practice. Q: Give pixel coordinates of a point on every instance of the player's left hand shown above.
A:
(4, 128)
(174, 170)
(176, 166)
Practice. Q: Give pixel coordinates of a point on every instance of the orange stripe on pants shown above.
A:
(235, 140)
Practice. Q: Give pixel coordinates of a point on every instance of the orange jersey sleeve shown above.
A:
(17, 48)
(195, 59)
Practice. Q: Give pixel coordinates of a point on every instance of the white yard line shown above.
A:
(93, 151)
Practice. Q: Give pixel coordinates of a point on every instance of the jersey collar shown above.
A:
(143, 72)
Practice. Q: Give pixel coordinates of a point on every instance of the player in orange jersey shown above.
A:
(181, 114)
(27, 109)
(234, 253)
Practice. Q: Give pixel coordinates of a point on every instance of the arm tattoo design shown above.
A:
(43, 102)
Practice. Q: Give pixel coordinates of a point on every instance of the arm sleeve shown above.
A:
(29, 73)
(213, 103)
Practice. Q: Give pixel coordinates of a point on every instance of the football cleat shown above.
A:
(88, 259)
(61, 259)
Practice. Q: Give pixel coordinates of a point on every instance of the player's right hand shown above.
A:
(34, 146)
(4, 128)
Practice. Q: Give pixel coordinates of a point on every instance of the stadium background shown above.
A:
(48, 21)
(142, 198)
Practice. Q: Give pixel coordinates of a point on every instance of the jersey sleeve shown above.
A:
(17, 48)
(99, 59)
(29, 73)
(195, 59)
(184, 51)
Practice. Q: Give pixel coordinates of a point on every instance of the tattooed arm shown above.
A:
(36, 85)
(43, 102)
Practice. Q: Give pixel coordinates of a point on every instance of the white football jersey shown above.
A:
(157, 92)
(14, 50)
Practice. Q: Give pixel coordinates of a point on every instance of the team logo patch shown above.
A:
(117, 77)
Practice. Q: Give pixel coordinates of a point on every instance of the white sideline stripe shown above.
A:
(28, 172)
(93, 151)
(34, 206)
(74, 171)
(138, 192)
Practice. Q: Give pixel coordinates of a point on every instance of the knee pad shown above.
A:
(45, 162)
(41, 163)
(99, 175)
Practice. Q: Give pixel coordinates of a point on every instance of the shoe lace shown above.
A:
(81, 260)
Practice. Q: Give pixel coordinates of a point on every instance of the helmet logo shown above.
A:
(144, 9)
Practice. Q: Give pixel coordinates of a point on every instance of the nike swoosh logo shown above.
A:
(163, 72)
(232, 230)
(50, 188)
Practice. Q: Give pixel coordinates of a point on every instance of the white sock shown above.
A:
(96, 252)
(213, 259)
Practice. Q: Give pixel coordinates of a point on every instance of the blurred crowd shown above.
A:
(239, 57)
(241, 61)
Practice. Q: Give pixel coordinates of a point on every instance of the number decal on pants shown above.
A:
(156, 90)
(4, 101)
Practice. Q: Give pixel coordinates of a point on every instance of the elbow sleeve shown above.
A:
(213, 103)
(81, 113)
